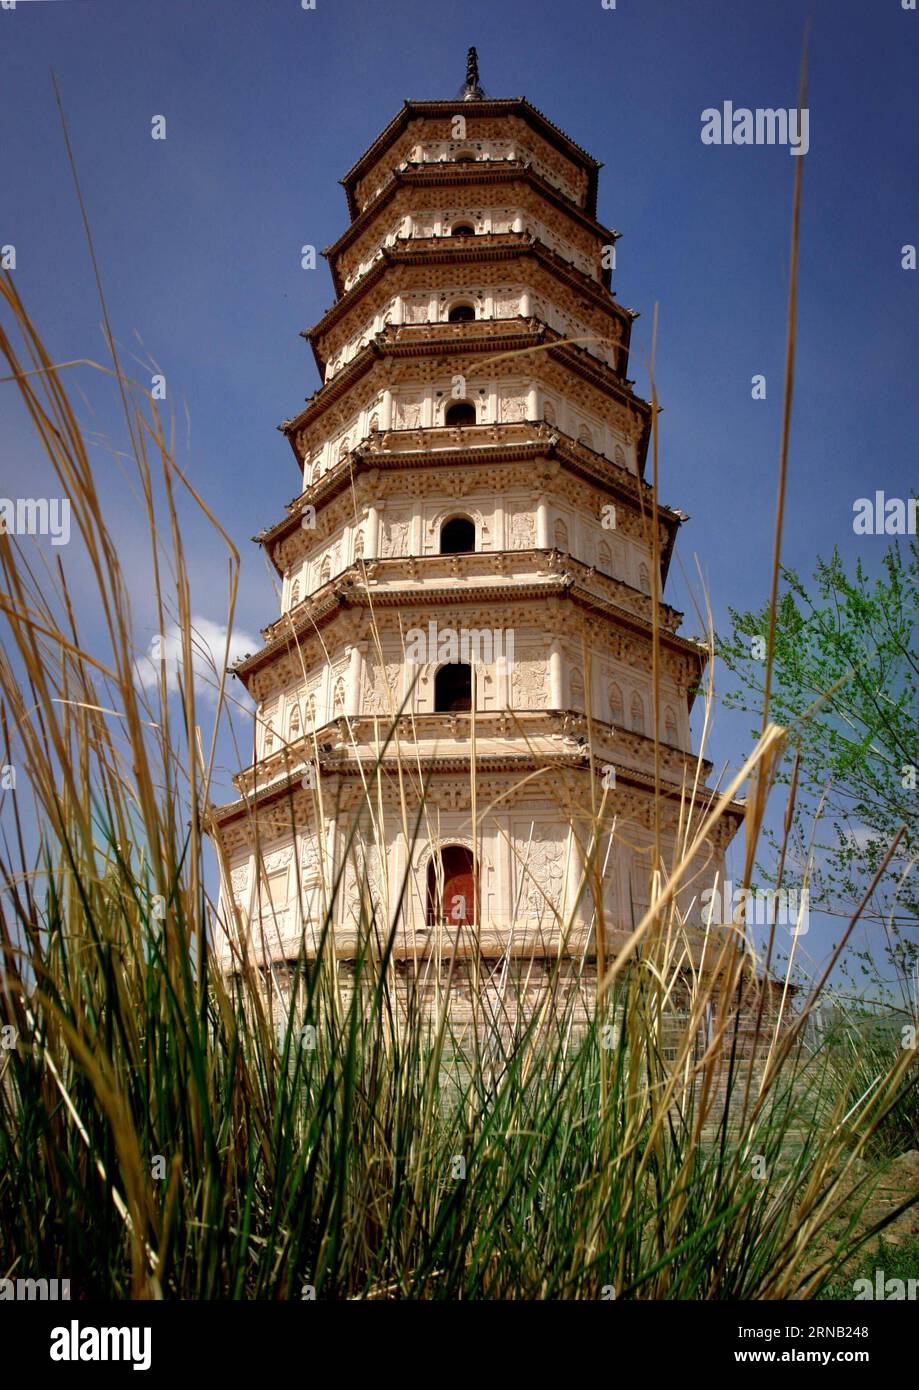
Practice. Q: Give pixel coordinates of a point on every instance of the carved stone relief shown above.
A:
(541, 867)
(395, 536)
(522, 531)
(530, 683)
(381, 693)
(513, 409)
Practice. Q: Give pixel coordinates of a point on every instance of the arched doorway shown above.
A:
(452, 889)
(453, 688)
(457, 536)
(461, 313)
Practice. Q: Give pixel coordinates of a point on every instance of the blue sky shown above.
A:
(267, 105)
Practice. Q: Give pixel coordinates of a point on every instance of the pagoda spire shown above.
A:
(471, 90)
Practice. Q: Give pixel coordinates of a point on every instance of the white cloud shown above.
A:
(209, 653)
(858, 837)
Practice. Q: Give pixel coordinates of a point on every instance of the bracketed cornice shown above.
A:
(400, 342)
(483, 248)
(470, 176)
(472, 446)
(512, 106)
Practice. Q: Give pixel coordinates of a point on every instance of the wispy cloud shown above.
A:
(208, 641)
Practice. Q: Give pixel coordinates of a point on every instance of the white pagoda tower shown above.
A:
(459, 686)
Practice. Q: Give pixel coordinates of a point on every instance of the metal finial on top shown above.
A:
(471, 90)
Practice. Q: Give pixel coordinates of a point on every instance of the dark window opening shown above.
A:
(453, 688)
(457, 536)
(460, 413)
(462, 229)
(461, 313)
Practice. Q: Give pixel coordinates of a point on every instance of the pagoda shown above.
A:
(456, 737)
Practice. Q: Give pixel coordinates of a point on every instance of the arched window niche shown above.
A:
(460, 413)
(453, 688)
(457, 536)
(452, 888)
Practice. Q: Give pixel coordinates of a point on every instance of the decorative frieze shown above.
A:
(432, 140)
(419, 208)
